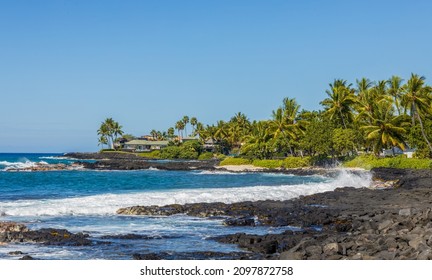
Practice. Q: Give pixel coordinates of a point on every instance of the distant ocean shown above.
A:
(86, 201)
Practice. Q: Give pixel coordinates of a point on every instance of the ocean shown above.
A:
(86, 201)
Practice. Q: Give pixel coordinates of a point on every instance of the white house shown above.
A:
(144, 145)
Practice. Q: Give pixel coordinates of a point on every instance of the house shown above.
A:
(144, 145)
(187, 139)
(210, 145)
(396, 151)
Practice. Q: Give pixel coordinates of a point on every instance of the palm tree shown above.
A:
(153, 134)
(238, 128)
(200, 131)
(221, 130)
(111, 130)
(180, 126)
(340, 102)
(363, 86)
(395, 90)
(102, 141)
(290, 110)
(281, 126)
(171, 132)
(386, 128)
(416, 97)
(185, 121)
(259, 142)
(193, 122)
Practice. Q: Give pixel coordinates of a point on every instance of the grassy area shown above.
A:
(114, 151)
(153, 154)
(289, 162)
(234, 161)
(268, 163)
(370, 161)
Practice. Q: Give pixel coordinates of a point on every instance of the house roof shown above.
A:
(147, 143)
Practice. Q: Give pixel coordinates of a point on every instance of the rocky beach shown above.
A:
(391, 219)
(382, 223)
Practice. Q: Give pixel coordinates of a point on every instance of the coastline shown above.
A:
(391, 219)
(347, 223)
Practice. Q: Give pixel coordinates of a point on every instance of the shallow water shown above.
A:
(86, 201)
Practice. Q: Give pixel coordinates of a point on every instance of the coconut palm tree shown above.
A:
(290, 110)
(259, 142)
(340, 102)
(193, 122)
(153, 134)
(111, 130)
(363, 85)
(395, 90)
(180, 126)
(221, 132)
(102, 141)
(416, 97)
(386, 129)
(170, 132)
(185, 121)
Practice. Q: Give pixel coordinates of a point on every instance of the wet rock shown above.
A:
(241, 221)
(288, 255)
(19, 233)
(27, 258)
(199, 255)
(12, 227)
(15, 253)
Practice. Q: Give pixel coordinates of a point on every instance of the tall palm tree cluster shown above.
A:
(369, 117)
(382, 110)
(108, 132)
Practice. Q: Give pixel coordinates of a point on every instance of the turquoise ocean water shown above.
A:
(86, 201)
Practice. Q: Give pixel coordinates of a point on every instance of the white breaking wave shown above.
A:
(107, 204)
(58, 158)
(207, 172)
(21, 165)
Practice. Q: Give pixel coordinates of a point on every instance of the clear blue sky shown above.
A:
(67, 65)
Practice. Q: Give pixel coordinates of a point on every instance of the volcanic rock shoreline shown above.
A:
(391, 222)
(128, 161)
(348, 223)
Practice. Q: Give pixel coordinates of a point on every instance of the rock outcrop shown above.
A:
(11, 232)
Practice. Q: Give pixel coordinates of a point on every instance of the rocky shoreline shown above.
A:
(391, 221)
(348, 223)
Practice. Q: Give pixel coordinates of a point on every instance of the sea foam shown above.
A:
(107, 204)
(20, 165)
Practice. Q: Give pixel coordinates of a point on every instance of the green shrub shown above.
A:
(370, 161)
(187, 153)
(221, 156)
(107, 150)
(170, 152)
(205, 156)
(234, 161)
(296, 162)
(152, 154)
(268, 163)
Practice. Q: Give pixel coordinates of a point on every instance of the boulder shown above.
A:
(332, 249)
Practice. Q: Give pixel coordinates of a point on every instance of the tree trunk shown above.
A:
(343, 120)
(413, 113)
(423, 133)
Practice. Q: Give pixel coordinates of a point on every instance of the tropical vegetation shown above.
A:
(362, 119)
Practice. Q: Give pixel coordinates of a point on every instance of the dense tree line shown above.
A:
(366, 117)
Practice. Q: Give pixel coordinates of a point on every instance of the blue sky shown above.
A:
(67, 65)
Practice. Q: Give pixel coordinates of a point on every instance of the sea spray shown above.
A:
(107, 204)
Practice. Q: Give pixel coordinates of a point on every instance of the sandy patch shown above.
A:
(239, 168)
